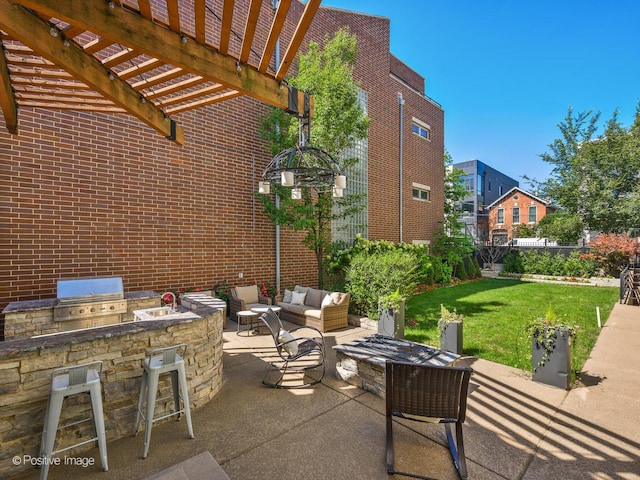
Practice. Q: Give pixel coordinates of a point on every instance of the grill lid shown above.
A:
(95, 289)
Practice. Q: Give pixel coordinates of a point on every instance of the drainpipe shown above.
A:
(400, 108)
(277, 198)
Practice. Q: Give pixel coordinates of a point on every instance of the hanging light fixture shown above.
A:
(304, 167)
(264, 188)
(296, 194)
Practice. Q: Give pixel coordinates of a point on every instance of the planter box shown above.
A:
(556, 369)
(390, 324)
(451, 338)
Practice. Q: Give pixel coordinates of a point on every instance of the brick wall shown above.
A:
(99, 195)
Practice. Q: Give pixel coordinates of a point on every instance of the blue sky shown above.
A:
(506, 72)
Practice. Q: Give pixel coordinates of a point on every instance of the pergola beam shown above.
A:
(134, 31)
(34, 32)
(7, 98)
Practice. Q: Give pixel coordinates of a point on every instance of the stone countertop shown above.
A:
(10, 347)
(46, 303)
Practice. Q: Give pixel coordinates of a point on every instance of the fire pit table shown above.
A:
(361, 362)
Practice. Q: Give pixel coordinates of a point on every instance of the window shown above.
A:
(501, 215)
(533, 214)
(489, 186)
(468, 183)
(346, 229)
(421, 192)
(421, 129)
(516, 215)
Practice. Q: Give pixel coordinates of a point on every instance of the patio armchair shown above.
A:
(427, 393)
(245, 298)
(297, 355)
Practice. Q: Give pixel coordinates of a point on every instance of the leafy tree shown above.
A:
(596, 178)
(561, 227)
(338, 122)
(450, 241)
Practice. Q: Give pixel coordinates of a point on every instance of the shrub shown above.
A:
(513, 262)
(534, 262)
(461, 271)
(340, 258)
(611, 252)
(371, 276)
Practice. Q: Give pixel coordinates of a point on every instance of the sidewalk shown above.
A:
(515, 428)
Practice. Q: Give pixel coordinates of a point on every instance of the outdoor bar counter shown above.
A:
(25, 379)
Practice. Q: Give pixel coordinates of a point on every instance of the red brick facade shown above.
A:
(88, 194)
(518, 205)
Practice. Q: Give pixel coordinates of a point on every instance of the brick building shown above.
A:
(97, 194)
(516, 207)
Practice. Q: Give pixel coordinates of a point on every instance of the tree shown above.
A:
(450, 241)
(596, 178)
(338, 122)
(561, 227)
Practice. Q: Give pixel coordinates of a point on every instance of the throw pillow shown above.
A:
(327, 300)
(287, 296)
(297, 298)
(290, 348)
(300, 289)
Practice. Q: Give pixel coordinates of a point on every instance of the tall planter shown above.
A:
(551, 357)
(451, 337)
(391, 321)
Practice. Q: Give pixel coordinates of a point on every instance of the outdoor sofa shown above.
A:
(312, 307)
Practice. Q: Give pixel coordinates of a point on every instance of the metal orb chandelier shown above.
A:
(304, 167)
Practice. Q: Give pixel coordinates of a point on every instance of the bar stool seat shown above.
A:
(67, 381)
(163, 360)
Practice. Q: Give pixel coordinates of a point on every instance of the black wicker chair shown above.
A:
(297, 355)
(436, 392)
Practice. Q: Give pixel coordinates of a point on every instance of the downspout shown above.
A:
(400, 108)
(277, 198)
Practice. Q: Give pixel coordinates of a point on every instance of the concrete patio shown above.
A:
(515, 428)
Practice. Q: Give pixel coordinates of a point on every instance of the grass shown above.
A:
(496, 312)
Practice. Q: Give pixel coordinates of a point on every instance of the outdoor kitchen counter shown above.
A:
(26, 365)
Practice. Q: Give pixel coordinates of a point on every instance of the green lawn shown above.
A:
(496, 312)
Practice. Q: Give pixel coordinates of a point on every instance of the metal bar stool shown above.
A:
(163, 360)
(66, 381)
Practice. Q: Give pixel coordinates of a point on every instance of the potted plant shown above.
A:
(391, 315)
(551, 340)
(450, 325)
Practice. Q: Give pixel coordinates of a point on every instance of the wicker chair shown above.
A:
(298, 355)
(427, 393)
(245, 298)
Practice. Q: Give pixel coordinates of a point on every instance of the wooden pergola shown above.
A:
(148, 58)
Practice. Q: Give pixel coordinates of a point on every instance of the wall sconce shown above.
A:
(296, 194)
(288, 179)
(264, 188)
(341, 182)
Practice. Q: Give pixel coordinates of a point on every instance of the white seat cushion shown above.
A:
(290, 348)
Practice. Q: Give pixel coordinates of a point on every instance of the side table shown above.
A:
(247, 317)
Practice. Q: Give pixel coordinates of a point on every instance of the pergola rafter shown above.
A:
(148, 58)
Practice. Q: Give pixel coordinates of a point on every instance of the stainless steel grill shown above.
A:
(83, 299)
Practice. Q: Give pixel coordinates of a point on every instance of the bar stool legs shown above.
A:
(68, 381)
(163, 360)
